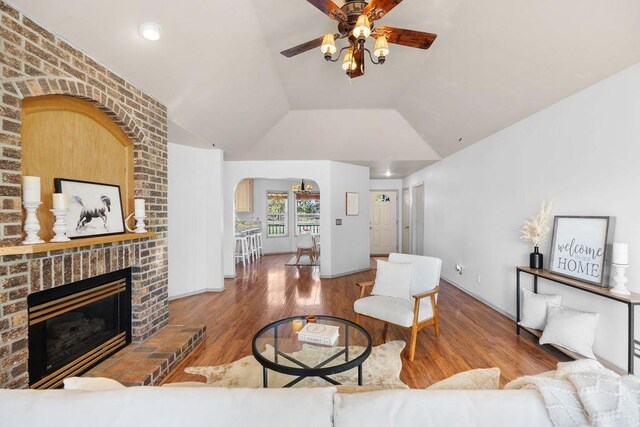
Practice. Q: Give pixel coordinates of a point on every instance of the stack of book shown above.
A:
(319, 334)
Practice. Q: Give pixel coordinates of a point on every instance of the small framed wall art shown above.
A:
(581, 247)
(352, 204)
(95, 209)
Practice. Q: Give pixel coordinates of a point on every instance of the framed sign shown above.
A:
(353, 200)
(581, 247)
(95, 209)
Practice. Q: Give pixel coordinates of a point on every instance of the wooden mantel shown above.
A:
(74, 243)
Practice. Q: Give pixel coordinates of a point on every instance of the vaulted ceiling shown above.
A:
(219, 71)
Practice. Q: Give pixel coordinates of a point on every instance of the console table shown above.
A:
(631, 301)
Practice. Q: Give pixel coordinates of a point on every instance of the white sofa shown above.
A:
(208, 406)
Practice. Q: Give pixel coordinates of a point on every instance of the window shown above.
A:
(277, 223)
(308, 213)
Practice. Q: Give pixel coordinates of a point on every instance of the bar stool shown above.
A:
(259, 248)
(242, 249)
(253, 247)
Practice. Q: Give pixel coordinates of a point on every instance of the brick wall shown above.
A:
(33, 62)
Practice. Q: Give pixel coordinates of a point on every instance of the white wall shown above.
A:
(350, 247)
(348, 255)
(277, 244)
(195, 220)
(396, 185)
(582, 153)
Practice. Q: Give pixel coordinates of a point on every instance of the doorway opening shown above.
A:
(272, 214)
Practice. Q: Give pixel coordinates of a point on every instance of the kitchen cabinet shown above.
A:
(244, 196)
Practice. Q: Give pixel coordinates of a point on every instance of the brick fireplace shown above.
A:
(36, 62)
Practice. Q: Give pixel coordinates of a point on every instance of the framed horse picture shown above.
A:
(95, 209)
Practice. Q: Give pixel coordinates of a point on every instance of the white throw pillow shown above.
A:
(91, 384)
(534, 309)
(571, 329)
(393, 280)
(475, 379)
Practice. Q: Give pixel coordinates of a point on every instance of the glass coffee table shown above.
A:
(276, 347)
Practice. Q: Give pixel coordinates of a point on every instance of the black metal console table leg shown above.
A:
(517, 302)
(632, 338)
(360, 374)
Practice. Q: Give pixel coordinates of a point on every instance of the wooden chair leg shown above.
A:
(385, 328)
(299, 254)
(436, 320)
(412, 345)
(358, 318)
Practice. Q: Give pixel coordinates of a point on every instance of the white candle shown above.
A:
(31, 189)
(60, 201)
(620, 253)
(139, 208)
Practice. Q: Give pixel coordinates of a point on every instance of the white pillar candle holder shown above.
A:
(31, 224)
(60, 226)
(619, 279)
(140, 224)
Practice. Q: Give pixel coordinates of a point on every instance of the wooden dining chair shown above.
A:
(304, 244)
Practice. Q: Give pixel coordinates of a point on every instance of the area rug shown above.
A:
(304, 261)
(381, 369)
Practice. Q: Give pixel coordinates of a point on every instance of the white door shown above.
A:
(417, 219)
(383, 222)
(406, 221)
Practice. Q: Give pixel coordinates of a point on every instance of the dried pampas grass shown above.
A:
(536, 230)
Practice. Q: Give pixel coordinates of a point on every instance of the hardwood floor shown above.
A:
(472, 335)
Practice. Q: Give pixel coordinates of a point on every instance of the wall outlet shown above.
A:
(339, 221)
(478, 278)
(459, 269)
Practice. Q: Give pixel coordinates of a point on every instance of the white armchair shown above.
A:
(416, 313)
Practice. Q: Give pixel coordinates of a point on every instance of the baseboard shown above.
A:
(479, 298)
(199, 291)
(333, 276)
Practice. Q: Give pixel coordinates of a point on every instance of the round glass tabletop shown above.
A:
(278, 347)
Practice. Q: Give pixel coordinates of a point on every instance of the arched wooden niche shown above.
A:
(66, 137)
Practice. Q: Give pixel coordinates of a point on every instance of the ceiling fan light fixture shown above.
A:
(381, 48)
(362, 30)
(328, 44)
(348, 63)
(151, 31)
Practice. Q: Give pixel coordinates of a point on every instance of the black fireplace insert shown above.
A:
(75, 326)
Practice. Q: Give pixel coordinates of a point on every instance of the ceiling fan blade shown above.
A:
(406, 37)
(301, 48)
(358, 56)
(330, 9)
(380, 8)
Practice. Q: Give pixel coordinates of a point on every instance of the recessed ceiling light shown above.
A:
(388, 173)
(151, 31)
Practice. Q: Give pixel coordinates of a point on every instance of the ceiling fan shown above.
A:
(356, 21)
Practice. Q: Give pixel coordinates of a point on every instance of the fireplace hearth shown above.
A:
(75, 326)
